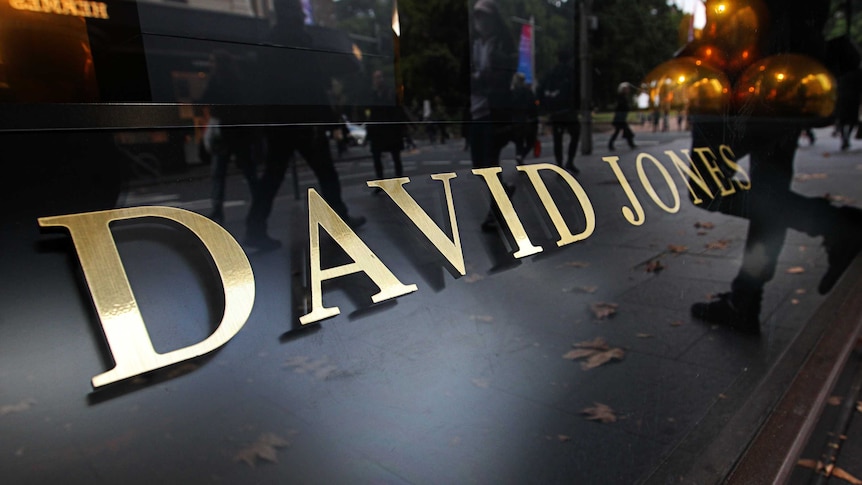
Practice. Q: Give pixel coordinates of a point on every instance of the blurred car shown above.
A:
(356, 134)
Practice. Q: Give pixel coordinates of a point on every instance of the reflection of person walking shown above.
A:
(385, 127)
(223, 88)
(493, 61)
(621, 114)
(560, 99)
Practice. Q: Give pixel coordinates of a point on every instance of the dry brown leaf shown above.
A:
(264, 448)
(816, 465)
(644, 335)
(859, 406)
(704, 225)
(796, 270)
(17, 408)
(794, 301)
(654, 266)
(597, 343)
(803, 177)
(677, 323)
(579, 353)
(676, 248)
(838, 472)
(574, 264)
(722, 396)
(482, 318)
(481, 383)
(702, 233)
(801, 291)
(603, 310)
(473, 277)
(720, 244)
(602, 358)
(563, 438)
(838, 199)
(834, 400)
(600, 412)
(584, 289)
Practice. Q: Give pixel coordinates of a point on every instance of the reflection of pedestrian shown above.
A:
(560, 99)
(385, 126)
(524, 117)
(621, 114)
(303, 133)
(493, 63)
(769, 204)
(847, 108)
(224, 88)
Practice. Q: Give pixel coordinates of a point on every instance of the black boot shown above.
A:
(735, 309)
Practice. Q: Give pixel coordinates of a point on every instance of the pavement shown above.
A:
(468, 379)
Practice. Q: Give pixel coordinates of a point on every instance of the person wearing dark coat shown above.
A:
(847, 107)
(561, 101)
(621, 114)
(385, 126)
(768, 202)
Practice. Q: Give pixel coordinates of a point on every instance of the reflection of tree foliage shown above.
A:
(837, 24)
(633, 37)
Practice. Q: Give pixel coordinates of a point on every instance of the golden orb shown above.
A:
(786, 85)
(687, 83)
(733, 31)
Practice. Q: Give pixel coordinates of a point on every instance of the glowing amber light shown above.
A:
(686, 82)
(788, 86)
(720, 8)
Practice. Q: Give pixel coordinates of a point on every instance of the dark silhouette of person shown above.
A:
(621, 114)
(385, 126)
(847, 107)
(295, 80)
(224, 87)
(493, 62)
(561, 101)
(769, 205)
(525, 117)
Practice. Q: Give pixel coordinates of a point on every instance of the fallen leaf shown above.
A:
(596, 343)
(601, 358)
(264, 448)
(834, 400)
(720, 244)
(794, 301)
(801, 291)
(473, 277)
(584, 289)
(815, 465)
(654, 266)
(17, 408)
(840, 199)
(803, 177)
(482, 318)
(579, 354)
(722, 396)
(676, 249)
(704, 225)
(600, 412)
(481, 383)
(677, 323)
(859, 406)
(603, 310)
(795, 270)
(702, 233)
(838, 472)
(575, 264)
(563, 438)
(644, 335)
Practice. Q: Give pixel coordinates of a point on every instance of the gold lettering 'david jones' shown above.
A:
(127, 335)
(77, 8)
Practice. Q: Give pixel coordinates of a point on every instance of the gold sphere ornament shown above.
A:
(687, 83)
(786, 85)
(731, 36)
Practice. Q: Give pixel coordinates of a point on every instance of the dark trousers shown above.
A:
(769, 205)
(237, 142)
(559, 128)
(377, 156)
(622, 126)
(312, 145)
(487, 139)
